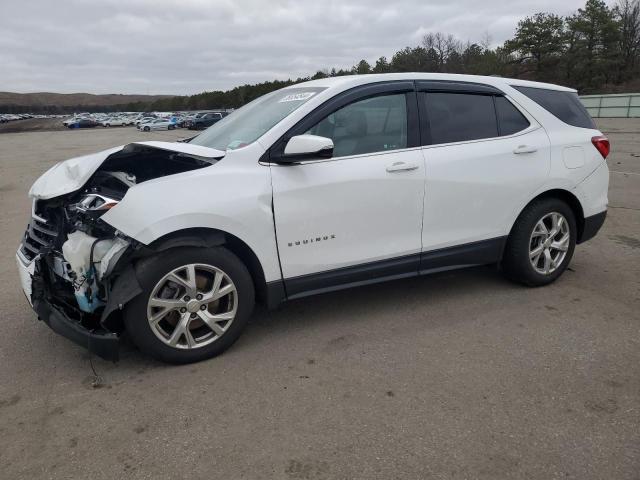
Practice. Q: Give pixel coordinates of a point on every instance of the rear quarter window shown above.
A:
(565, 106)
(510, 120)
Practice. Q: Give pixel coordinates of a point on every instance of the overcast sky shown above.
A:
(189, 46)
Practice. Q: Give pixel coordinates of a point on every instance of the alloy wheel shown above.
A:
(192, 306)
(549, 243)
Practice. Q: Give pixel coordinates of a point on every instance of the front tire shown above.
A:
(541, 243)
(146, 129)
(195, 303)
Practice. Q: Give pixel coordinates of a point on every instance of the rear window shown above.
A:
(563, 105)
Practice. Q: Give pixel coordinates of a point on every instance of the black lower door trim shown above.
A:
(345, 277)
(483, 252)
(470, 254)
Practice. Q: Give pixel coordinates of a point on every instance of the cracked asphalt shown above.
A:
(462, 375)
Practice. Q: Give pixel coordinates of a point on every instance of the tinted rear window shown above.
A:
(457, 117)
(563, 105)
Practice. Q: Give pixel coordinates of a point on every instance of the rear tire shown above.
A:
(541, 243)
(146, 129)
(155, 329)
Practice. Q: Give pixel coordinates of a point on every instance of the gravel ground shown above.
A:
(461, 375)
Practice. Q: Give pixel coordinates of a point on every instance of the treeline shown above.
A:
(595, 50)
(63, 109)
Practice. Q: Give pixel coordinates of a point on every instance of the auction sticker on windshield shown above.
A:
(297, 97)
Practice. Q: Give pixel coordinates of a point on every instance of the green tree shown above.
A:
(382, 66)
(410, 60)
(538, 45)
(593, 53)
(319, 74)
(362, 67)
(627, 12)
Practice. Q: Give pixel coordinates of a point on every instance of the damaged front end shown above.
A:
(76, 270)
(66, 259)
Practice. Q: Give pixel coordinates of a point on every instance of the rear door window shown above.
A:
(458, 117)
(565, 106)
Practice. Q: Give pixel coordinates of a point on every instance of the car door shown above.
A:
(357, 216)
(485, 157)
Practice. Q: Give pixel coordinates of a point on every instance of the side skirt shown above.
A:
(467, 255)
(354, 276)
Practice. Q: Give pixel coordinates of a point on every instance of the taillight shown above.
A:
(602, 144)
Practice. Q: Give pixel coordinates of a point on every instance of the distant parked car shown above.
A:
(191, 120)
(83, 123)
(157, 124)
(183, 121)
(204, 121)
(114, 122)
(69, 121)
(144, 120)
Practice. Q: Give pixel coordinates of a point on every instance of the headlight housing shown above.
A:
(94, 202)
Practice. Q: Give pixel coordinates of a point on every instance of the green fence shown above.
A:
(621, 105)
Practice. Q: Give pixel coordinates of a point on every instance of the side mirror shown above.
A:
(306, 147)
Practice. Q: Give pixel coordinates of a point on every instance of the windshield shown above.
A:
(247, 124)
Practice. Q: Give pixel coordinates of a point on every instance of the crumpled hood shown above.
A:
(70, 175)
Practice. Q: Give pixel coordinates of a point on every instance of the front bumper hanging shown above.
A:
(103, 343)
(106, 345)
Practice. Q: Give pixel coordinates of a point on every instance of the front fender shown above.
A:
(232, 197)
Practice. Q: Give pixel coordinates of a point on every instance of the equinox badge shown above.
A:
(306, 241)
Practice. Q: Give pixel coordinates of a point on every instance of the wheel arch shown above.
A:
(125, 285)
(566, 196)
(210, 237)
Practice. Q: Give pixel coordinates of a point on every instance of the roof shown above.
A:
(355, 80)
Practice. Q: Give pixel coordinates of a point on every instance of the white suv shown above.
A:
(319, 186)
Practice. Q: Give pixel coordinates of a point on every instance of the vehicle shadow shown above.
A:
(393, 299)
(396, 299)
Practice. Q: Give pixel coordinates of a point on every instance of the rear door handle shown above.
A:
(401, 167)
(525, 149)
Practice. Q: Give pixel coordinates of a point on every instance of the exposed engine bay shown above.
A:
(78, 256)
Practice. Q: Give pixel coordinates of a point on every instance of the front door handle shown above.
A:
(525, 149)
(401, 167)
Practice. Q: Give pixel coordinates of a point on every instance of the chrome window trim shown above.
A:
(527, 130)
